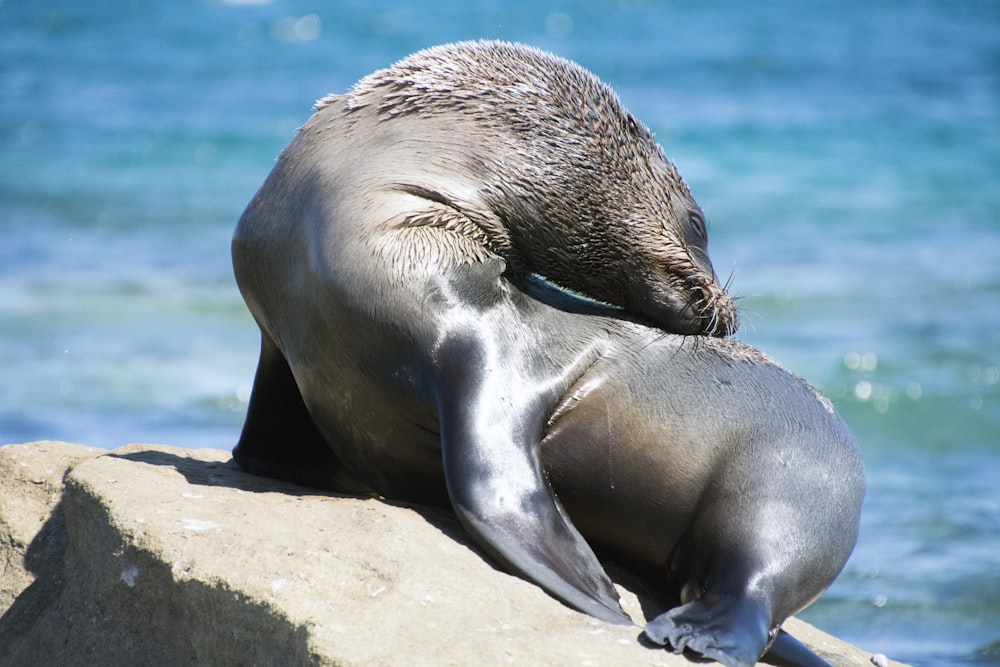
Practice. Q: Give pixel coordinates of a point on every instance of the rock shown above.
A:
(156, 555)
(32, 531)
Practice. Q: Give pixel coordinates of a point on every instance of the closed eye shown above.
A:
(698, 222)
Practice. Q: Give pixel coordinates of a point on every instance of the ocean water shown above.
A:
(847, 155)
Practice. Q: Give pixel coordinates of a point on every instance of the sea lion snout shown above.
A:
(707, 307)
(716, 312)
(673, 284)
(710, 306)
(700, 305)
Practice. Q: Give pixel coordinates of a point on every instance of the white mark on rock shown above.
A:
(130, 576)
(192, 495)
(199, 525)
(278, 584)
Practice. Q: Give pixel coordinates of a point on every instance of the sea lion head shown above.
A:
(565, 183)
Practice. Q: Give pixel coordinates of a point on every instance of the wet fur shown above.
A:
(570, 185)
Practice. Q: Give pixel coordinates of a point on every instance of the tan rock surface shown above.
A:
(163, 556)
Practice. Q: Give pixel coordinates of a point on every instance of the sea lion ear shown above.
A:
(425, 232)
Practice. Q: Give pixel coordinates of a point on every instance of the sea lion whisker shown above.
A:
(729, 280)
(713, 322)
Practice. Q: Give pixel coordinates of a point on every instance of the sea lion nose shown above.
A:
(720, 318)
(707, 311)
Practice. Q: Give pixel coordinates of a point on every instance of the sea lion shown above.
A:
(407, 349)
(553, 426)
(480, 149)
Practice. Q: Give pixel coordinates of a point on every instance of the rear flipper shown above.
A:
(729, 629)
(787, 651)
(279, 438)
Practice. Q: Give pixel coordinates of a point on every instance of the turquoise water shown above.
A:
(847, 155)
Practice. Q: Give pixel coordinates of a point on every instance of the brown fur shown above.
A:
(571, 186)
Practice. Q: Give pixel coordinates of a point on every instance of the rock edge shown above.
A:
(158, 555)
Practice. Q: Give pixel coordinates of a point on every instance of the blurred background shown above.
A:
(847, 156)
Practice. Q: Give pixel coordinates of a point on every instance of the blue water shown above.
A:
(847, 155)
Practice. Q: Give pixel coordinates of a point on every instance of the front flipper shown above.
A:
(279, 438)
(491, 427)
